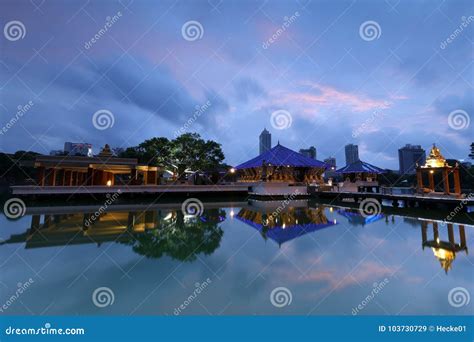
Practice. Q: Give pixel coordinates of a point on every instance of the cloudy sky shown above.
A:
(377, 73)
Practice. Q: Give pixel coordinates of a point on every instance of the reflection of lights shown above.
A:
(296, 221)
(284, 226)
(232, 213)
(109, 183)
(331, 209)
(431, 171)
(168, 217)
(232, 170)
(335, 222)
(437, 240)
(330, 182)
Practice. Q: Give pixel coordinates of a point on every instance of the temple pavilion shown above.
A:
(360, 177)
(436, 165)
(281, 164)
(103, 169)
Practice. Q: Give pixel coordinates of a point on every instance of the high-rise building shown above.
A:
(352, 153)
(331, 161)
(409, 156)
(309, 152)
(81, 149)
(265, 141)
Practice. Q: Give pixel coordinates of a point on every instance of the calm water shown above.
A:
(330, 260)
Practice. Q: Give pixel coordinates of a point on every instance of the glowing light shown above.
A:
(232, 213)
(431, 171)
(109, 183)
(331, 209)
(232, 170)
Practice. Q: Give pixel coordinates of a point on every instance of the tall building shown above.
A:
(309, 152)
(265, 141)
(331, 161)
(409, 156)
(82, 149)
(352, 153)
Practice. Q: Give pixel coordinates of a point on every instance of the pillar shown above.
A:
(151, 177)
(424, 228)
(67, 178)
(462, 236)
(435, 231)
(133, 176)
(446, 181)
(63, 177)
(52, 177)
(431, 180)
(457, 182)
(419, 179)
(131, 221)
(90, 176)
(35, 222)
(41, 176)
(451, 233)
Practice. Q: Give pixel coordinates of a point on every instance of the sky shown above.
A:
(380, 74)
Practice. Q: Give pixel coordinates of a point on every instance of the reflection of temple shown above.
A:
(444, 251)
(78, 228)
(355, 217)
(282, 224)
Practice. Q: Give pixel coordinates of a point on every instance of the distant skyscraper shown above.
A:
(309, 152)
(409, 156)
(352, 153)
(82, 149)
(331, 161)
(265, 141)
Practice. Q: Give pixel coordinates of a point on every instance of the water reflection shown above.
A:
(282, 223)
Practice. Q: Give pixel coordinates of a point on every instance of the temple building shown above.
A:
(360, 177)
(103, 169)
(281, 171)
(436, 166)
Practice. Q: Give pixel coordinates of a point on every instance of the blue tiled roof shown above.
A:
(360, 166)
(282, 156)
(281, 235)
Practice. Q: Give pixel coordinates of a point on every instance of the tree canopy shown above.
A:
(188, 152)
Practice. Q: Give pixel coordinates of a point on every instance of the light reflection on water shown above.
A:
(153, 258)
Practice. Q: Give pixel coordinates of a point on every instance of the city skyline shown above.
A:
(398, 88)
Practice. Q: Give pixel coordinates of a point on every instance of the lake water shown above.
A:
(250, 258)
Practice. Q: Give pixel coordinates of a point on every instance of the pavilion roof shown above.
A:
(282, 156)
(359, 167)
